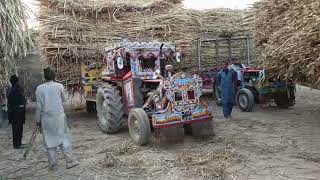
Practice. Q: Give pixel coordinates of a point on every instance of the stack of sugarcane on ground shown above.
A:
(288, 32)
(14, 37)
(76, 31)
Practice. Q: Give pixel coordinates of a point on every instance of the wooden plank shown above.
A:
(220, 39)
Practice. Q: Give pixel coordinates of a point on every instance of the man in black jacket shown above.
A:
(16, 110)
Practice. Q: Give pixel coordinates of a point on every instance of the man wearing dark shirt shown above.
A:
(16, 110)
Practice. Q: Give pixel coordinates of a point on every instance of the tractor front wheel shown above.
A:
(245, 100)
(139, 126)
(109, 109)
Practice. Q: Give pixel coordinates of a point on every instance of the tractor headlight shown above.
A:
(178, 57)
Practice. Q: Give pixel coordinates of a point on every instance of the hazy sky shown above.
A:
(194, 4)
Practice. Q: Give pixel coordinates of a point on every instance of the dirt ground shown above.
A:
(268, 143)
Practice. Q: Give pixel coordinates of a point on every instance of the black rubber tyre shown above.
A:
(109, 109)
(217, 93)
(245, 100)
(139, 126)
(91, 107)
(286, 99)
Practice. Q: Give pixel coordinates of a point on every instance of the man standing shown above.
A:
(227, 79)
(16, 110)
(237, 67)
(51, 117)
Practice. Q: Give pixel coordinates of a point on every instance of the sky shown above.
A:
(193, 4)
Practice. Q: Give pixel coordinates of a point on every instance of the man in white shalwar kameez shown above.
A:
(51, 118)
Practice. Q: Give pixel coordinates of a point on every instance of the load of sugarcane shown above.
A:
(76, 31)
(288, 33)
(14, 37)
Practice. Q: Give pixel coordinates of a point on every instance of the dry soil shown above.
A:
(269, 143)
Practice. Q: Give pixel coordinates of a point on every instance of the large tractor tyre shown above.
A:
(91, 107)
(202, 129)
(285, 99)
(217, 92)
(109, 109)
(245, 100)
(139, 126)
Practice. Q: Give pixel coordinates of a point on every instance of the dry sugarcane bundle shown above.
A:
(96, 8)
(222, 23)
(74, 33)
(14, 36)
(68, 40)
(288, 33)
(213, 54)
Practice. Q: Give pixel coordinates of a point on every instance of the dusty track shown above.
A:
(268, 143)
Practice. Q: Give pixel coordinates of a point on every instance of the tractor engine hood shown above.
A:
(183, 93)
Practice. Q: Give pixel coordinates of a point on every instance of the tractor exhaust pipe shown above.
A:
(162, 63)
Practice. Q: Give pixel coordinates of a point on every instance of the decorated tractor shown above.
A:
(254, 86)
(137, 82)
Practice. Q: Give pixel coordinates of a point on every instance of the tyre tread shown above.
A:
(113, 121)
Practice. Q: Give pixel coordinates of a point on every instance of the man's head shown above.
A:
(14, 80)
(225, 65)
(234, 61)
(49, 74)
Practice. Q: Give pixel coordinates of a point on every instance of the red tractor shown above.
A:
(137, 81)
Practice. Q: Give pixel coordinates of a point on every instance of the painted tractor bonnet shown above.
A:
(183, 93)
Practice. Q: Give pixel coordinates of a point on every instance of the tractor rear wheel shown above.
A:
(217, 92)
(245, 100)
(139, 126)
(109, 109)
(285, 99)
